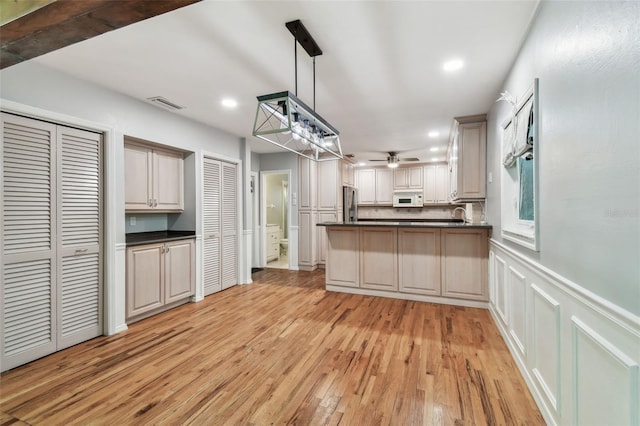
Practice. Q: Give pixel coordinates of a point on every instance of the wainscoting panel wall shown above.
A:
(579, 353)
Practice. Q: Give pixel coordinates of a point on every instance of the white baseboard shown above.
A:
(408, 296)
(578, 353)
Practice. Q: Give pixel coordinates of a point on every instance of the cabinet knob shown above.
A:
(155, 203)
(150, 202)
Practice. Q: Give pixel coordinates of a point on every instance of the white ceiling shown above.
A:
(380, 81)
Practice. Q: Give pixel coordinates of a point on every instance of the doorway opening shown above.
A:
(276, 218)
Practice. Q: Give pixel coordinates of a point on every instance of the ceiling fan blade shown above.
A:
(378, 160)
(410, 159)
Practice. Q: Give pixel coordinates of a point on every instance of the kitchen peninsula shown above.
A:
(441, 262)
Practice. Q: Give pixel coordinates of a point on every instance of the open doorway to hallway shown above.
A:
(275, 206)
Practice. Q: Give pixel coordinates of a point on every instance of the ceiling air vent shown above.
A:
(164, 103)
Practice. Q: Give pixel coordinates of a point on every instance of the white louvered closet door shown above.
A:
(51, 234)
(28, 240)
(229, 225)
(211, 206)
(79, 236)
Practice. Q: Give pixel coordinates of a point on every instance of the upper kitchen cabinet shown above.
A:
(329, 185)
(375, 186)
(154, 179)
(307, 170)
(348, 174)
(436, 184)
(407, 178)
(467, 158)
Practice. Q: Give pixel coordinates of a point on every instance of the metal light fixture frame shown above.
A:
(284, 120)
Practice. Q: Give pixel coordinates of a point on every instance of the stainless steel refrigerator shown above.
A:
(349, 204)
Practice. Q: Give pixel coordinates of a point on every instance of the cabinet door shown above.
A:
(343, 262)
(379, 258)
(348, 174)
(328, 185)
(430, 191)
(138, 166)
(322, 234)
(145, 290)
(307, 239)
(179, 270)
(419, 261)
(366, 181)
(464, 263)
(384, 186)
(471, 160)
(400, 178)
(441, 184)
(307, 170)
(415, 177)
(168, 181)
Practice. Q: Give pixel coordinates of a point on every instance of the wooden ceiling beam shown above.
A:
(66, 22)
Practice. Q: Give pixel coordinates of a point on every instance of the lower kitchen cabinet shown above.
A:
(465, 257)
(343, 266)
(378, 258)
(419, 261)
(429, 264)
(159, 275)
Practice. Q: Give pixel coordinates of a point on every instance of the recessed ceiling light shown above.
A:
(453, 65)
(434, 149)
(229, 103)
(433, 134)
(435, 159)
(362, 163)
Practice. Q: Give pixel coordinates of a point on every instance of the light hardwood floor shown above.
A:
(281, 350)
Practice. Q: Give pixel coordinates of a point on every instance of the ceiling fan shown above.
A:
(393, 160)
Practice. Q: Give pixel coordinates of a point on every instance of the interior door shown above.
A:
(79, 238)
(229, 225)
(28, 262)
(211, 207)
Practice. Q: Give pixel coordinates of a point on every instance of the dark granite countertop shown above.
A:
(414, 224)
(139, 238)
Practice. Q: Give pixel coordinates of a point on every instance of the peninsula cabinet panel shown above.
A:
(322, 234)
(465, 256)
(342, 257)
(378, 258)
(419, 261)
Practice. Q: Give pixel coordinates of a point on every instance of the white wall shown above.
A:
(587, 57)
(57, 94)
(569, 313)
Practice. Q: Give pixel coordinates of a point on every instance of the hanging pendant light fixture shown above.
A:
(284, 120)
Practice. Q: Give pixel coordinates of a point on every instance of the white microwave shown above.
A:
(407, 198)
